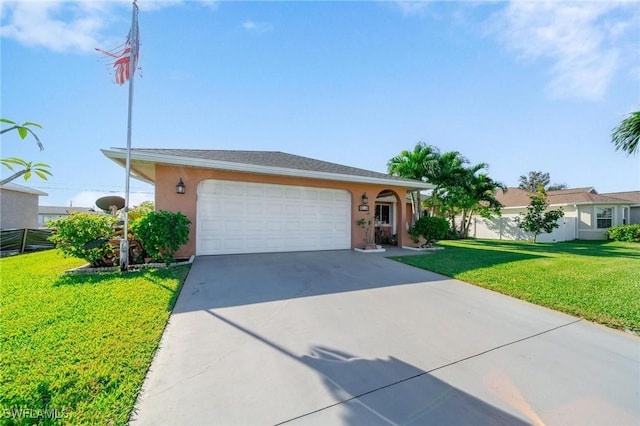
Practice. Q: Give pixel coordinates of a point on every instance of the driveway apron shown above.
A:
(340, 337)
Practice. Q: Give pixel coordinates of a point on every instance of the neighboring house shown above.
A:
(264, 201)
(587, 214)
(19, 206)
(47, 213)
(634, 207)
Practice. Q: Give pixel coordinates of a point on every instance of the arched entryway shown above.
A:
(388, 217)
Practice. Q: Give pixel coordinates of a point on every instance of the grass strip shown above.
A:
(75, 348)
(596, 280)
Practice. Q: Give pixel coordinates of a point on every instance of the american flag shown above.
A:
(121, 55)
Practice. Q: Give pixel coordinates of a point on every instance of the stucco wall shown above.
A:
(166, 198)
(588, 221)
(18, 210)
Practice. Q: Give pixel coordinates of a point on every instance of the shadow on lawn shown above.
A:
(468, 255)
(157, 277)
(456, 260)
(580, 248)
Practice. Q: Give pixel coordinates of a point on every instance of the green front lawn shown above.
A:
(595, 280)
(77, 347)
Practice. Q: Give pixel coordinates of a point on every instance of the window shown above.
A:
(604, 217)
(382, 212)
(625, 215)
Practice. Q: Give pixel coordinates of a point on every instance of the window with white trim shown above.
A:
(604, 217)
(383, 213)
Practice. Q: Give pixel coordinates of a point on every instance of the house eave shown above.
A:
(119, 156)
(22, 189)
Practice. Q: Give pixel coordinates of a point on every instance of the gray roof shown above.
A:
(19, 188)
(275, 159)
(275, 163)
(516, 197)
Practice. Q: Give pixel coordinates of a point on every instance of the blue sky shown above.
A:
(519, 85)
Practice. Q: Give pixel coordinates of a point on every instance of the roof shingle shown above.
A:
(270, 159)
(516, 197)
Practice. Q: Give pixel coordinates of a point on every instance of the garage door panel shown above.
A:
(309, 210)
(293, 209)
(239, 217)
(291, 194)
(232, 189)
(326, 196)
(231, 227)
(326, 211)
(340, 228)
(272, 209)
(255, 227)
(310, 194)
(273, 192)
(273, 228)
(254, 191)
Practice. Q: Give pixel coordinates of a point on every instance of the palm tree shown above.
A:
(625, 137)
(448, 173)
(22, 129)
(40, 169)
(464, 190)
(480, 198)
(414, 165)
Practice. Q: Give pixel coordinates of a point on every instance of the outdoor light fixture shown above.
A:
(180, 187)
(364, 207)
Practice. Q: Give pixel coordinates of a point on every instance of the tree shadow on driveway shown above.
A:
(384, 391)
(236, 280)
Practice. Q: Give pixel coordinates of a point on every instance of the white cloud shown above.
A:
(211, 4)
(412, 7)
(579, 38)
(257, 27)
(146, 5)
(71, 26)
(57, 25)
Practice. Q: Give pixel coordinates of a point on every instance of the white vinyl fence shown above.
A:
(506, 228)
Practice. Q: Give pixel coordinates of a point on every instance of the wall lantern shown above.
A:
(180, 187)
(364, 207)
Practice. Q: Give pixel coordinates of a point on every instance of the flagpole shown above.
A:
(124, 242)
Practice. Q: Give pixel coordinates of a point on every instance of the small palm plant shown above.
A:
(366, 224)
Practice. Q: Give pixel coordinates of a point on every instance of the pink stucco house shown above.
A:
(265, 201)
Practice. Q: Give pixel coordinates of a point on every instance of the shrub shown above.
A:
(84, 235)
(162, 233)
(628, 233)
(140, 211)
(430, 228)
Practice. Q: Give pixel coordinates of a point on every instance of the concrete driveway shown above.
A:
(340, 337)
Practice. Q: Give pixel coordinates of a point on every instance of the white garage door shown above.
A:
(241, 217)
